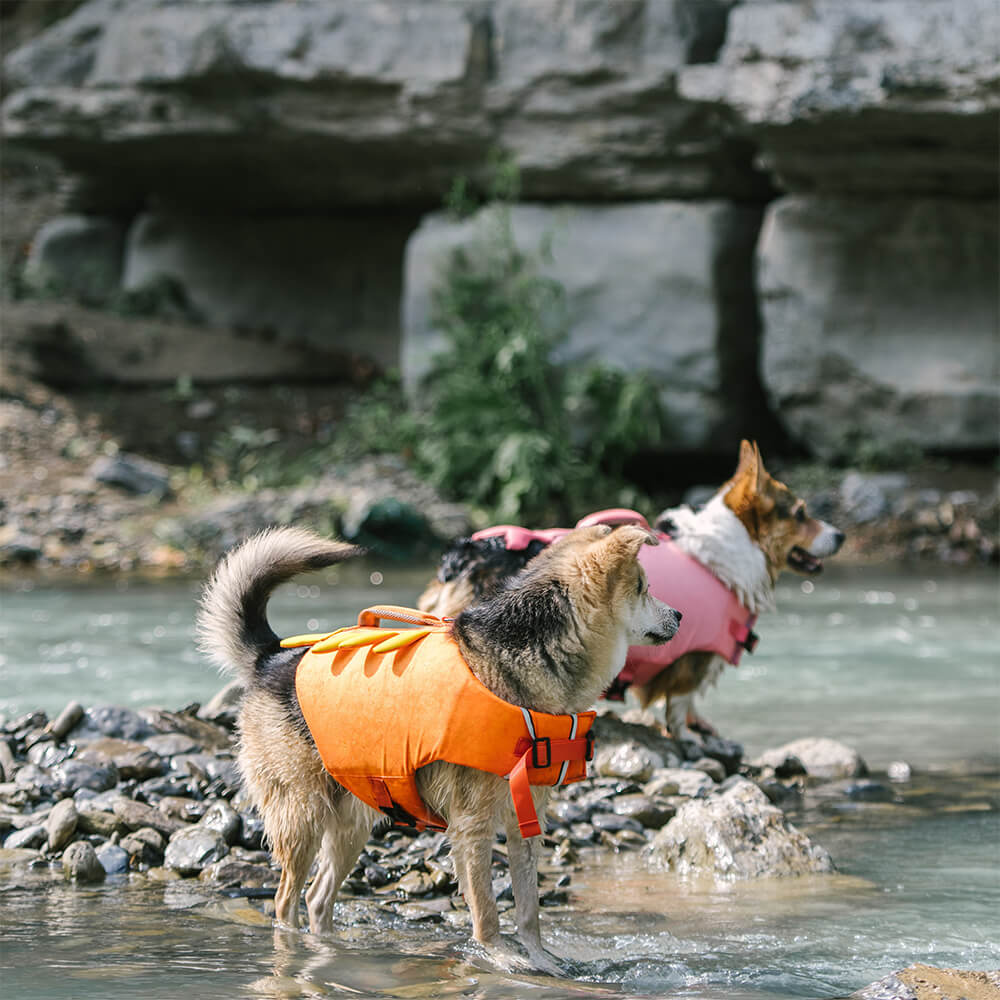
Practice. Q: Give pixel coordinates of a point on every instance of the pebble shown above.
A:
(61, 824)
(113, 858)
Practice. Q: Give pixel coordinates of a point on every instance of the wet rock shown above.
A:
(736, 835)
(85, 771)
(61, 824)
(713, 768)
(37, 781)
(133, 815)
(614, 822)
(132, 474)
(113, 858)
(97, 822)
(728, 753)
(822, 758)
(232, 872)
(566, 811)
(80, 863)
(780, 794)
(30, 836)
(171, 744)
(425, 910)
(415, 883)
(7, 763)
(207, 735)
(66, 720)
(926, 982)
(193, 849)
(49, 754)
(630, 760)
(132, 759)
(679, 781)
(651, 812)
(111, 720)
(145, 847)
(223, 706)
(221, 817)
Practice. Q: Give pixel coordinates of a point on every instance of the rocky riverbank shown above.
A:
(154, 794)
(80, 497)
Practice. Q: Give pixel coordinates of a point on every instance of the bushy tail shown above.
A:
(232, 623)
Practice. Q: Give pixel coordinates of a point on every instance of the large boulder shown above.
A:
(736, 835)
(660, 286)
(863, 96)
(880, 322)
(306, 106)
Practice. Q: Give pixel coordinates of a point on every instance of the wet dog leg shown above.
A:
(342, 843)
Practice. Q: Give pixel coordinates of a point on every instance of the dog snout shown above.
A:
(678, 616)
(838, 539)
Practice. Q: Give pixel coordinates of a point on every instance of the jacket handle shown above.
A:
(615, 515)
(393, 612)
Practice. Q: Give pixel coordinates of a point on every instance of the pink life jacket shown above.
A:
(714, 619)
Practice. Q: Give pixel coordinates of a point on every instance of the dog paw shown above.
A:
(507, 957)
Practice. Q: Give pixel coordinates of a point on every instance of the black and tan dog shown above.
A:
(550, 640)
(752, 529)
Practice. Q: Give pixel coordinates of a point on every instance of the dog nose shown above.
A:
(838, 540)
(678, 616)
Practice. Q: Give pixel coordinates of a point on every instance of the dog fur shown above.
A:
(751, 530)
(551, 639)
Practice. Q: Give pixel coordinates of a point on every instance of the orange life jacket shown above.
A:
(382, 703)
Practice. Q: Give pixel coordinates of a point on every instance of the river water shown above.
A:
(901, 665)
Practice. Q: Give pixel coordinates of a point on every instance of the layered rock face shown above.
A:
(271, 160)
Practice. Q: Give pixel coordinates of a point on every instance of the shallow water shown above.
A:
(900, 666)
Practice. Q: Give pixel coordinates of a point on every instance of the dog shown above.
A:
(550, 640)
(753, 528)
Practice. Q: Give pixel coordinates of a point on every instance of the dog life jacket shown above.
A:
(382, 703)
(714, 619)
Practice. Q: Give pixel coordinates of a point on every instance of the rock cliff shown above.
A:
(278, 166)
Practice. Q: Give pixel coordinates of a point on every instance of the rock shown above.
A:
(145, 847)
(132, 759)
(233, 873)
(170, 744)
(627, 760)
(869, 791)
(94, 772)
(134, 815)
(822, 758)
(899, 771)
(80, 863)
(61, 824)
(223, 705)
(113, 858)
(652, 813)
(925, 982)
(27, 837)
(737, 834)
(387, 526)
(206, 734)
(66, 720)
(132, 474)
(728, 753)
(872, 99)
(221, 817)
(835, 386)
(866, 498)
(614, 822)
(695, 255)
(583, 96)
(679, 781)
(179, 807)
(77, 256)
(710, 766)
(193, 849)
(110, 720)
(97, 822)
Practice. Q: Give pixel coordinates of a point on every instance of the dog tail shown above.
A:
(231, 624)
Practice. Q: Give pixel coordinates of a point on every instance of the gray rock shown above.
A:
(614, 822)
(627, 760)
(132, 474)
(80, 863)
(713, 768)
(222, 818)
(77, 256)
(230, 872)
(98, 822)
(663, 250)
(867, 498)
(193, 849)
(144, 846)
(651, 812)
(134, 815)
(66, 720)
(47, 755)
(828, 87)
(111, 720)
(170, 744)
(687, 782)
(224, 704)
(132, 759)
(61, 824)
(822, 758)
(96, 773)
(37, 781)
(869, 791)
(837, 386)
(114, 859)
(29, 836)
(737, 834)
(583, 97)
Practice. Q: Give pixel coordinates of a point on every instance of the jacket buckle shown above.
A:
(750, 642)
(535, 744)
(590, 744)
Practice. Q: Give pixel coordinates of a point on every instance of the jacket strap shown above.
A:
(372, 616)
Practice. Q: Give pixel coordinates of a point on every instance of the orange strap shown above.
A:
(555, 752)
(394, 612)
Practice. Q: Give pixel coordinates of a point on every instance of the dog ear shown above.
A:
(624, 542)
(745, 496)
